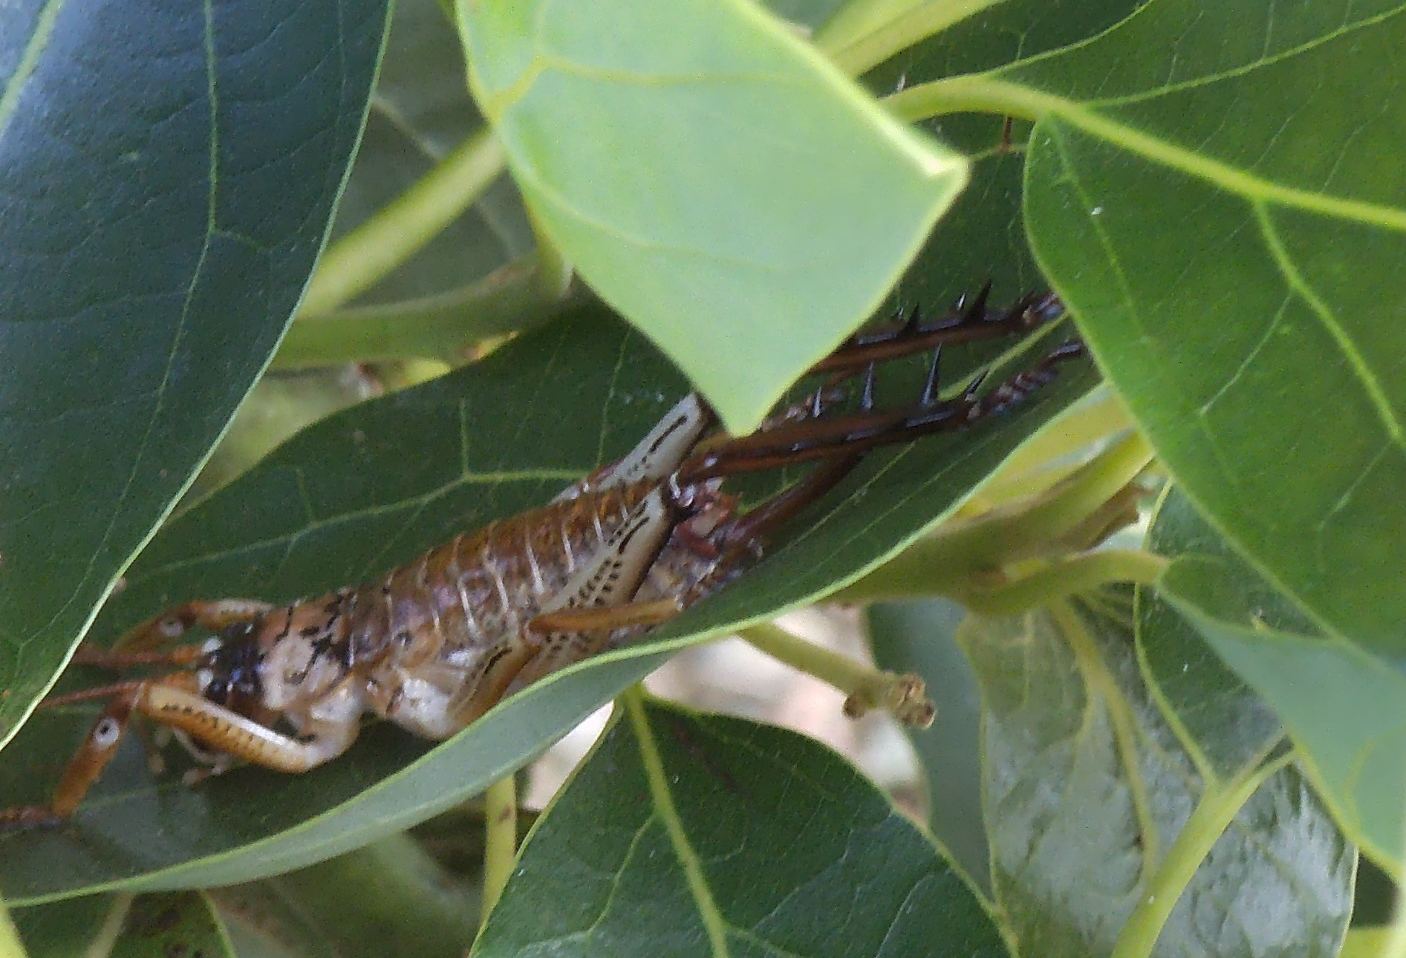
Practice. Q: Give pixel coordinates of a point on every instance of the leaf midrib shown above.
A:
(665, 810)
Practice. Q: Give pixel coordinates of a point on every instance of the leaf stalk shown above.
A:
(512, 298)
(865, 687)
(1065, 577)
(1210, 818)
(10, 944)
(367, 254)
(855, 44)
(970, 93)
(500, 841)
(1074, 513)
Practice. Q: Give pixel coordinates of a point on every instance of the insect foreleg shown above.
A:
(98, 748)
(177, 620)
(215, 726)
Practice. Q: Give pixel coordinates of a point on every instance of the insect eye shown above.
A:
(105, 732)
(217, 691)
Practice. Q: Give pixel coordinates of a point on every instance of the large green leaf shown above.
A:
(1098, 819)
(171, 925)
(374, 486)
(695, 835)
(420, 112)
(1214, 189)
(166, 179)
(710, 175)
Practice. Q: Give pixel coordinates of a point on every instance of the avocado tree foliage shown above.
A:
(549, 220)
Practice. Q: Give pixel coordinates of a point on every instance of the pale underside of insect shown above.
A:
(436, 643)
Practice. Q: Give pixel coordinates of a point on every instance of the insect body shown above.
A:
(436, 643)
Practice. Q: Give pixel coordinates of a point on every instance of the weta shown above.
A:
(434, 644)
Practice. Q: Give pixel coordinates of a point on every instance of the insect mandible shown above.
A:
(436, 643)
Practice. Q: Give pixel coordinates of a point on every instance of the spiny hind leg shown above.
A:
(172, 624)
(656, 455)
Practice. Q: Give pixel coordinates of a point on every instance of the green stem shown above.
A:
(1048, 455)
(946, 561)
(553, 268)
(855, 44)
(970, 93)
(1395, 946)
(1213, 813)
(367, 254)
(510, 299)
(10, 944)
(865, 687)
(1065, 577)
(500, 841)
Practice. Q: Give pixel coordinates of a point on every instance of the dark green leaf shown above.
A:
(1344, 707)
(281, 403)
(388, 898)
(687, 834)
(1214, 189)
(166, 178)
(919, 637)
(172, 925)
(711, 177)
(69, 928)
(1091, 805)
(376, 485)
(421, 111)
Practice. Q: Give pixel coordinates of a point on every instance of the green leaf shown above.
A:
(711, 177)
(328, 509)
(688, 834)
(1213, 189)
(376, 485)
(174, 925)
(1344, 708)
(420, 112)
(920, 637)
(1104, 837)
(167, 182)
